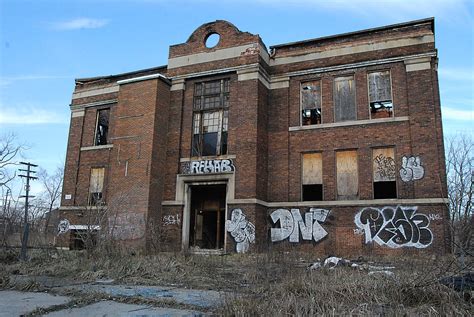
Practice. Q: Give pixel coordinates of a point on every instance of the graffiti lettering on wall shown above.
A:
(171, 220)
(435, 217)
(385, 167)
(207, 166)
(395, 227)
(127, 226)
(291, 224)
(63, 226)
(242, 230)
(412, 169)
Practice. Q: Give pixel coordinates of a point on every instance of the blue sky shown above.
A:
(44, 45)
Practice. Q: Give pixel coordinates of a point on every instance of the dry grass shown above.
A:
(268, 284)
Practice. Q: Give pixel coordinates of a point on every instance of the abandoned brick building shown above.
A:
(331, 145)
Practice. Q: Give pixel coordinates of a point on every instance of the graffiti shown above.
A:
(358, 232)
(291, 224)
(395, 227)
(384, 167)
(242, 230)
(171, 220)
(127, 226)
(63, 226)
(254, 49)
(435, 217)
(412, 169)
(208, 166)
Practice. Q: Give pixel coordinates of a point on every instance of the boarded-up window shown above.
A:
(102, 127)
(96, 185)
(384, 173)
(344, 99)
(380, 95)
(347, 175)
(312, 177)
(311, 103)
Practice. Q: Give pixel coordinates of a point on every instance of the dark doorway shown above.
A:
(207, 216)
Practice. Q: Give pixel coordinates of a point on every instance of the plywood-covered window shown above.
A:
(384, 173)
(210, 118)
(311, 103)
(347, 175)
(380, 95)
(344, 99)
(312, 177)
(96, 185)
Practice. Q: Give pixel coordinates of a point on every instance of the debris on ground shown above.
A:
(333, 262)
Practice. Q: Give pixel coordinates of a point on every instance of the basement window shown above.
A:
(311, 103)
(384, 173)
(344, 99)
(96, 186)
(210, 118)
(380, 95)
(312, 177)
(347, 175)
(102, 127)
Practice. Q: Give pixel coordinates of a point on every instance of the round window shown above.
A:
(212, 40)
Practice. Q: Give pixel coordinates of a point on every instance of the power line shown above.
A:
(26, 231)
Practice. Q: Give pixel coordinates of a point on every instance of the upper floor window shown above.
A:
(380, 95)
(96, 185)
(102, 127)
(344, 99)
(311, 103)
(210, 118)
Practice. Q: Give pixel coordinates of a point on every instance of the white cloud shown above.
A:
(80, 23)
(30, 115)
(450, 73)
(457, 114)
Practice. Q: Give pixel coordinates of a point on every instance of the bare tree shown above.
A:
(51, 195)
(460, 170)
(9, 151)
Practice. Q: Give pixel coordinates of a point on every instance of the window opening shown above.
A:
(102, 127)
(380, 95)
(344, 99)
(212, 40)
(384, 173)
(210, 118)
(312, 178)
(311, 103)
(96, 186)
(347, 175)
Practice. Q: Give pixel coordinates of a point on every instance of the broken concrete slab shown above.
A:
(199, 298)
(111, 308)
(15, 303)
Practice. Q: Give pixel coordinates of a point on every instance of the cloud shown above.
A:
(80, 23)
(461, 74)
(30, 115)
(457, 114)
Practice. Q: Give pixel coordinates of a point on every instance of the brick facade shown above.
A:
(151, 173)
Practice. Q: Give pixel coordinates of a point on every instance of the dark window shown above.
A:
(311, 103)
(384, 173)
(312, 177)
(344, 99)
(102, 127)
(380, 95)
(210, 123)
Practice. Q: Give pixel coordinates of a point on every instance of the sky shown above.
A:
(46, 44)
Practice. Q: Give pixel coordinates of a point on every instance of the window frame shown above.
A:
(101, 200)
(96, 127)
(320, 81)
(391, 90)
(336, 173)
(302, 174)
(338, 78)
(222, 111)
(396, 170)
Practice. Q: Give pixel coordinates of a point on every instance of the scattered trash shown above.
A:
(388, 273)
(333, 262)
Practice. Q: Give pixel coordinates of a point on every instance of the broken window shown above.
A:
(384, 172)
(102, 127)
(96, 186)
(312, 178)
(210, 118)
(347, 175)
(380, 95)
(311, 103)
(344, 99)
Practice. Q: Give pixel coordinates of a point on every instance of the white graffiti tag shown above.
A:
(291, 224)
(412, 169)
(242, 230)
(171, 220)
(395, 227)
(63, 226)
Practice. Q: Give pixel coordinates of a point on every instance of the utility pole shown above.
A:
(26, 231)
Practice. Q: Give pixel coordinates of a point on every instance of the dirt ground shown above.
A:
(277, 283)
